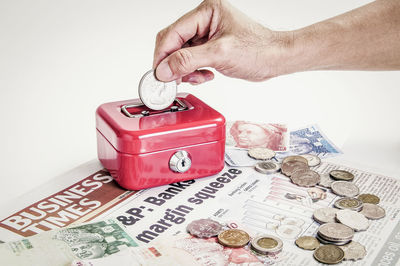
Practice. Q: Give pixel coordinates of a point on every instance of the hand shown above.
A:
(216, 35)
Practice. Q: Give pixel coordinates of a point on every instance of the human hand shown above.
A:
(216, 35)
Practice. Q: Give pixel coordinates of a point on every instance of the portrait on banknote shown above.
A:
(245, 134)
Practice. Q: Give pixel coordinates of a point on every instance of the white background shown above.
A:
(59, 60)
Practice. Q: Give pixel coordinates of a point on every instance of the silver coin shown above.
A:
(288, 168)
(261, 153)
(349, 203)
(336, 232)
(305, 178)
(267, 167)
(204, 228)
(155, 94)
(297, 158)
(345, 189)
(266, 244)
(354, 251)
(353, 219)
(312, 160)
(326, 180)
(327, 242)
(325, 215)
(373, 211)
(341, 175)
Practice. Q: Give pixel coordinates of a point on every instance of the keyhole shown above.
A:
(183, 163)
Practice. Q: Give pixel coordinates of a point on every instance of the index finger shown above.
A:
(195, 23)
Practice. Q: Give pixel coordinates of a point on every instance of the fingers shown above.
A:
(185, 61)
(195, 23)
(198, 77)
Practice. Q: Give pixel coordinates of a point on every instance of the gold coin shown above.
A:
(329, 254)
(369, 198)
(233, 238)
(267, 242)
(307, 242)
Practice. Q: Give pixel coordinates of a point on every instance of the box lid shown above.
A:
(199, 123)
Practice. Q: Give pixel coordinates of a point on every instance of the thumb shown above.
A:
(185, 61)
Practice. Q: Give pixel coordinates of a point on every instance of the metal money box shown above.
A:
(143, 148)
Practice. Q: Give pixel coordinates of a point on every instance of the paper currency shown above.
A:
(313, 141)
(178, 250)
(309, 140)
(245, 134)
(62, 246)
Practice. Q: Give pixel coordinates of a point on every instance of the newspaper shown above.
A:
(261, 203)
(179, 250)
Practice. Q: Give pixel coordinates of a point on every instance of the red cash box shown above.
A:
(143, 148)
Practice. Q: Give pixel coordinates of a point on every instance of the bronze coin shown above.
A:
(233, 238)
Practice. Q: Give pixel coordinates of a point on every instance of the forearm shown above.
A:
(367, 38)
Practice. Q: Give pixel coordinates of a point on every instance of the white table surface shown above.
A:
(59, 60)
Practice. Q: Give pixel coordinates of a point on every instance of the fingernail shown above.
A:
(192, 80)
(209, 77)
(163, 71)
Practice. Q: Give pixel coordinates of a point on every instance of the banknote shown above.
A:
(305, 140)
(182, 250)
(62, 246)
(312, 140)
(246, 134)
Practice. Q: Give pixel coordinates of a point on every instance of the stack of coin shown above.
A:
(335, 234)
(266, 245)
(298, 169)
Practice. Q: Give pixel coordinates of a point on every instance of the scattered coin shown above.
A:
(349, 203)
(267, 167)
(345, 189)
(288, 168)
(353, 219)
(329, 254)
(369, 198)
(335, 232)
(305, 178)
(312, 160)
(156, 94)
(233, 238)
(326, 180)
(341, 175)
(295, 158)
(261, 153)
(204, 228)
(325, 215)
(354, 251)
(373, 211)
(267, 244)
(307, 242)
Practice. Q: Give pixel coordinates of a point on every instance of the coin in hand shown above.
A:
(155, 94)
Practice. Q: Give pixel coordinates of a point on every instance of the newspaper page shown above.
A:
(260, 203)
(263, 204)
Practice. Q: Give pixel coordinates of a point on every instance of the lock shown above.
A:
(180, 162)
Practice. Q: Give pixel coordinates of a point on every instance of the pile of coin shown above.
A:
(262, 245)
(338, 225)
(297, 168)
